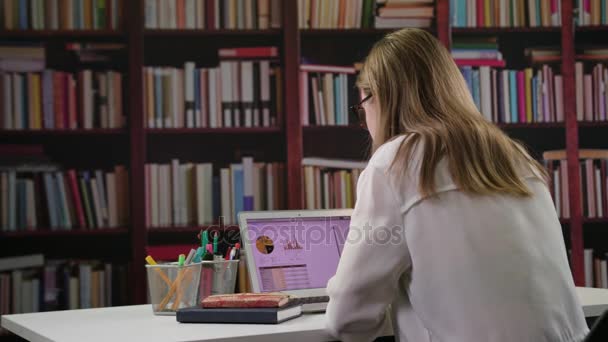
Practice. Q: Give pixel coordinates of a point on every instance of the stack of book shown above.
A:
(330, 184)
(596, 268)
(477, 52)
(28, 284)
(61, 100)
(189, 194)
(544, 55)
(241, 92)
(591, 94)
(591, 12)
(60, 15)
(404, 13)
(335, 14)
(213, 14)
(594, 183)
(516, 96)
(36, 196)
(325, 95)
(505, 13)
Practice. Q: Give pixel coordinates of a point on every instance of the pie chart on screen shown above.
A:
(264, 244)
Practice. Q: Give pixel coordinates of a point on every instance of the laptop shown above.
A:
(294, 251)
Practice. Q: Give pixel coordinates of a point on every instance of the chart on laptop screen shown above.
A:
(292, 254)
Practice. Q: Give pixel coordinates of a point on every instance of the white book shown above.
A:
(226, 193)
(515, 13)
(96, 203)
(326, 191)
(227, 96)
(7, 103)
(216, 14)
(588, 86)
(172, 14)
(64, 200)
(588, 255)
(556, 192)
(236, 93)
(204, 193)
(598, 193)
(334, 163)
(505, 95)
(19, 262)
(17, 277)
(190, 14)
(17, 102)
(532, 14)
(54, 14)
(154, 198)
(248, 11)
(87, 98)
(328, 92)
(84, 273)
(265, 92)
(111, 196)
(309, 186)
(31, 204)
(200, 14)
(212, 88)
(486, 92)
(247, 87)
(304, 100)
(151, 14)
(189, 93)
(74, 302)
(201, 115)
(103, 199)
(269, 188)
(176, 99)
(559, 98)
(176, 205)
(580, 90)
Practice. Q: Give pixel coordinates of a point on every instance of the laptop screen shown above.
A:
(296, 253)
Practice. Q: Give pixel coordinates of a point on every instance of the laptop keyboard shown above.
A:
(310, 300)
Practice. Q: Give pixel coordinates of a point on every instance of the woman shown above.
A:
(454, 226)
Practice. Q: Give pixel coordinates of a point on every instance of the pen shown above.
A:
(237, 253)
(215, 239)
(162, 274)
(228, 253)
(190, 256)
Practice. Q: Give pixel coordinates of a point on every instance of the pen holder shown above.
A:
(217, 277)
(171, 287)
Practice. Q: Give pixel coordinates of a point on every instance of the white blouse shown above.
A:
(452, 267)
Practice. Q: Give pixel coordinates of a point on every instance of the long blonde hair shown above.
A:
(421, 93)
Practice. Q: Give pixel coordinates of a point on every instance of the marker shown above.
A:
(228, 253)
(160, 272)
(237, 254)
(150, 260)
(215, 239)
(232, 253)
(190, 256)
(209, 253)
(181, 260)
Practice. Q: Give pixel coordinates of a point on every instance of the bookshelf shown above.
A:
(289, 141)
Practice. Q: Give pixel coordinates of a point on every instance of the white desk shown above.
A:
(137, 323)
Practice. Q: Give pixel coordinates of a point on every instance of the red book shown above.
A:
(81, 101)
(181, 14)
(71, 177)
(246, 300)
(480, 13)
(521, 96)
(59, 96)
(480, 62)
(210, 14)
(249, 52)
(72, 121)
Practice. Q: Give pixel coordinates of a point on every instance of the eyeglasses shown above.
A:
(359, 112)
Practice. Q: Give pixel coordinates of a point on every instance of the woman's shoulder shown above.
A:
(385, 154)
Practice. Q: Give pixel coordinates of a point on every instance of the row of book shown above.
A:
(516, 96)
(31, 284)
(190, 194)
(213, 14)
(505, 13)
(330, 184)
(596, 268)
(325, 94)
(398, 14)
(591, 94)
(44, 196)
(238, 93)
(61, 100)
(591, 12)
(60, 14)
(335, 14)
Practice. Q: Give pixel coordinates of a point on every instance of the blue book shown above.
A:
(50, 200)
(337, 100)
(476, 94)
(603, 6)
(21, 205)
(158, 93)
(466, 71)
(534, 111)
(217, 199)
(197, 96)
(513, 96)
(47, 99)
(538, 13)
(237, 189)
(453, 12)
(462, 13)
(23, 14)
(25, 111)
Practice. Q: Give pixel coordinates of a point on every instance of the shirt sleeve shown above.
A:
(374, 258)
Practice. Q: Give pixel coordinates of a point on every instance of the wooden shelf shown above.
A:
(211, 33)
(536, 125)
(595, 220)
(353, 128)
(60, 34)
(188, 229)
(47, 232)
(600, 28)
(234, 130)
(587, 124)
(316, 33)
(504, 30)
(57, 132)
